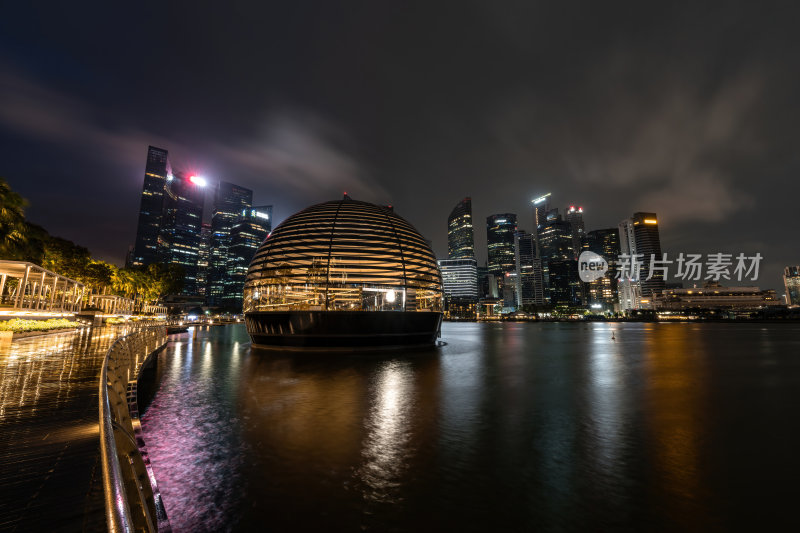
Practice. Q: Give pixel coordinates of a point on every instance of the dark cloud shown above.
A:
(683, 109)
(673, 152)
(302, 153)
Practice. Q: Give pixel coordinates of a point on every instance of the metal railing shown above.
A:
(130, 501)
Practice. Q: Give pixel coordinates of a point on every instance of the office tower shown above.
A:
(246, 235)
(629, 290)
(486, 286)
(529, 277)
(493, 286)
(460, 238)
(156, 172)
(791, 279)
(500, 241)
(203, 254)
(460, 285)
(460, 277)
(575, 218)
(541, 206)
(555, 239)
(603, 291)
(558, 262)
(230, 201)
(638, 236)
(564, 285)
(510, 302)
(181, 223)
(605, 242)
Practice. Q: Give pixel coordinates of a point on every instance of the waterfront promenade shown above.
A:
(50, 476)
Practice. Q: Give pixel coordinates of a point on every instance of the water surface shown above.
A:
(515, 427)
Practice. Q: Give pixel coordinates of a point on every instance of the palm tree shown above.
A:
(13, 228)
(122, 282)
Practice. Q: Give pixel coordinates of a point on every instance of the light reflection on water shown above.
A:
(507, 427)
(201, 442)
(388, 425)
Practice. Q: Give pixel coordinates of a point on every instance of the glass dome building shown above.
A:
(342, 274)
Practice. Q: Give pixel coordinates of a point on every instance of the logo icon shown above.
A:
(591, 266)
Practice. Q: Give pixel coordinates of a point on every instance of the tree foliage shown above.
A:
(21, 240)
(13, 228)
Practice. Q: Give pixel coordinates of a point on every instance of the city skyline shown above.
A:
(210, 189)
(671, 112)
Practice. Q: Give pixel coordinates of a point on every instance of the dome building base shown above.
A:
(338, 329)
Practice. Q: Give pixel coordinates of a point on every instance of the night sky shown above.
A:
(688, 111)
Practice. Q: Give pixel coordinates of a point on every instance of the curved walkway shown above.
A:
(50, 477)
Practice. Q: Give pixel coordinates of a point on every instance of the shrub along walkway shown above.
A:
(50, 476)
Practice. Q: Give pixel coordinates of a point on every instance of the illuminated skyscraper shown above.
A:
(559, 266)
(500, 241)
(603, 291)
(230, 201)
(202, 259)
(541, 206)
(575, 218)
(460, 237)
(791, 280)
(555, 239)
(564, 285)
(157, 169)
(246, 235)
(529, 278)
(638, 237)
(181, 223)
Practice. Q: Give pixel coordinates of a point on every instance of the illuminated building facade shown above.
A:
(715, 296)
(510, 301)
(230, 201)
(460, 285)
(181, 225)
(541, 206)
(460, 236)
(343, 273)
(791, 280)
(575, 218)
(603, 291)
(555, 239)
(157, 169)
(639, 236)
(247, 234)
(565, 287)
(204, 251)
(559, 263)
(529, 276)
(500, 241)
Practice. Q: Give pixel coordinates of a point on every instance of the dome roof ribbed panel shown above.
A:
(346, 242)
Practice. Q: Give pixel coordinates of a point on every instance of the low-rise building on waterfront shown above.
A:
(715, 296)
